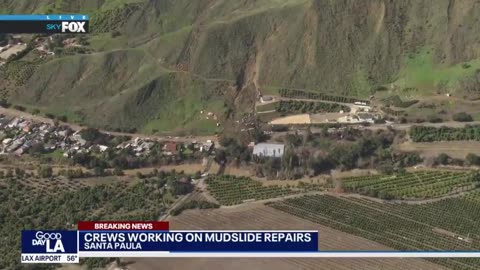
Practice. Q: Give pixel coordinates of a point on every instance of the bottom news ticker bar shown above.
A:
(320, 254)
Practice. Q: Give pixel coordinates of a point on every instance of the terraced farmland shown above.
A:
(423, 184)
(295, 106)
(295, 93)
(451, 224)
(230, 190)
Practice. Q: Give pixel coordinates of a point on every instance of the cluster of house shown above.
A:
(14, 46)
(42, 45)
(18, 135)
(173, 148)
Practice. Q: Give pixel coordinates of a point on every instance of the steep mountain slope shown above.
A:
(169, 51)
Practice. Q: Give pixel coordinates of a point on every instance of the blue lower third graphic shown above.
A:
(194, 241)
(49, 247)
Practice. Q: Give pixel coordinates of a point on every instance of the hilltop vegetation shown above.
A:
(184, 49)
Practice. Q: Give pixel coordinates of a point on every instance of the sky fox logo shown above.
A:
(51, 240)
(68, 27)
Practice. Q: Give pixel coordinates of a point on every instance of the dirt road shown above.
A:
(374, 127)
(456, 149)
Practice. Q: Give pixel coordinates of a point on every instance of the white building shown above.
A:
(268, 150)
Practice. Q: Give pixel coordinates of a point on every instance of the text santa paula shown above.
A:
(128, 240)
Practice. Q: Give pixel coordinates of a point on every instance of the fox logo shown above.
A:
(73, 27)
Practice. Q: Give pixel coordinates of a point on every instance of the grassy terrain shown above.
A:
(268, 107)
(422, 76)
(276, 44)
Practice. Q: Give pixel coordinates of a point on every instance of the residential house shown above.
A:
(15, 122)
(4, 122)
(268, 150)
(78, 138)
(28, 127)
(366, 117)
(264, 99)
(23, 124)
(7, 141)
(15, 145)
(170, 148)
(207, 146)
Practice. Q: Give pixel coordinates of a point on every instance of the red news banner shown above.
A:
(123, 225)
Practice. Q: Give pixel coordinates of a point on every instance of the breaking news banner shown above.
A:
(154, 239)
(45, 24)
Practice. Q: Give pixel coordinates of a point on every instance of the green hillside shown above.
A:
(156, 63)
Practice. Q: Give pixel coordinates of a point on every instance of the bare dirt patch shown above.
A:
(250, 217)
(458, 149)
(292, 120)
(322, 118)
(238, 171)
(12, 50)
(190, 168)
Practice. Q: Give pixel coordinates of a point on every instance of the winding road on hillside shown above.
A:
(16, 113)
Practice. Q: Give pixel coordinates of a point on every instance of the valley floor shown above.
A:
(260, 217)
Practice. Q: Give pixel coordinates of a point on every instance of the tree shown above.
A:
(19, 172)
(179, 188)
(98, 171)
(472, 159)
(37, 149)
(3, 39)
(308, 135)
(90, 134)
(462, 117)
(115, 33)
(45, 171)
(57, 51)
(442, 159)
(62, 118)
(293, 140)
(19, 108)
(289, 160)
(9, 173)
(81, 40)
(220, 156)
(118, 171)
(411, 159)
(386, 168)
(4, 103)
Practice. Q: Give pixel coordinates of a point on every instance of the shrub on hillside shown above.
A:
(435, 119)
(442, 159)
(472, 159)
(462, 117)
(19, 107)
